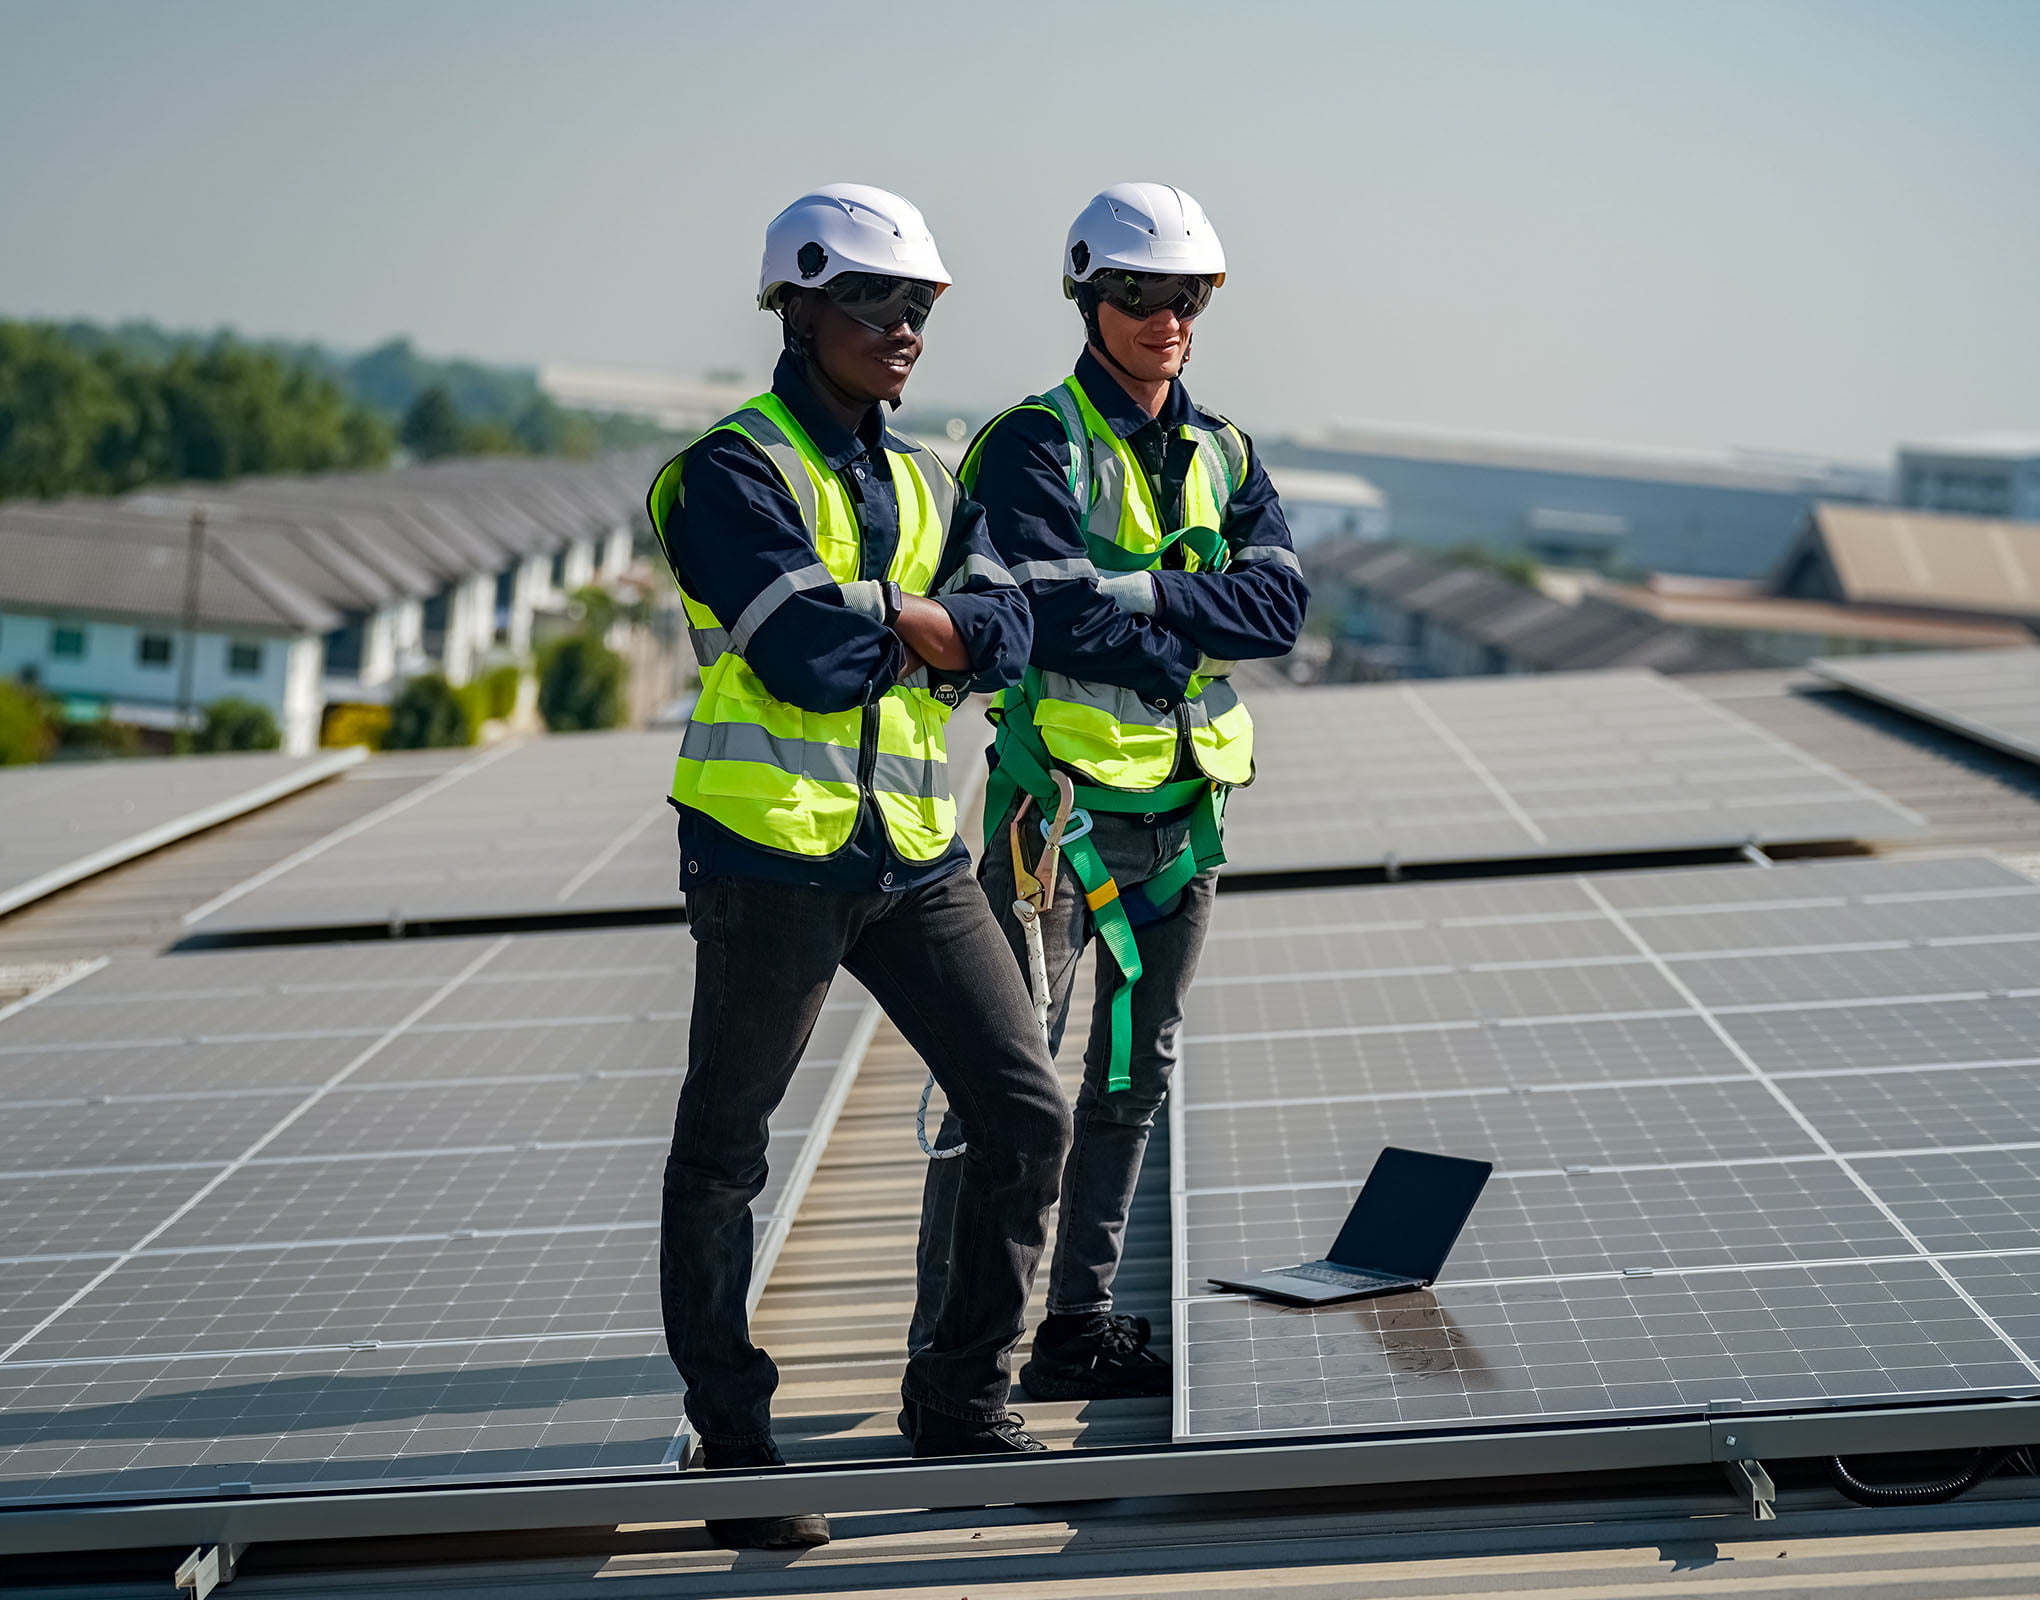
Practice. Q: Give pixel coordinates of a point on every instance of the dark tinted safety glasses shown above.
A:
(882, 303)
(1142, 294)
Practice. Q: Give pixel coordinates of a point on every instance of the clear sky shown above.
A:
(1789, 224)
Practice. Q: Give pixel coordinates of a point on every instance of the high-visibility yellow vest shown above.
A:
(1108, 733)
(793, 780)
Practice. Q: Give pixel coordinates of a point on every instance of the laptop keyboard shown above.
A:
(1336, 1275)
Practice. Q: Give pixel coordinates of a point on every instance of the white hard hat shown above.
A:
(1143, 227)
(847, 227)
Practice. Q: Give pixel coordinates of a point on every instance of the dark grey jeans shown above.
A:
(935, 961)
(1111, 1132)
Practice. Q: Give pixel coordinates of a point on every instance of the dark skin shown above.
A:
(853, 369)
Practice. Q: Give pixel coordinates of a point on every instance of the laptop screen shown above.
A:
(1409, 1213)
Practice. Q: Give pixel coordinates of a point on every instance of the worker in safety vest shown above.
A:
(842, 597)
(1153, 551)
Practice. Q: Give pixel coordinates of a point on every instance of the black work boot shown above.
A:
(933, 1434)
(802, 1531)
(1098, 1356)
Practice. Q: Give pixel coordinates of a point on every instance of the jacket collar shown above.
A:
(1122, 415)
(839, 445)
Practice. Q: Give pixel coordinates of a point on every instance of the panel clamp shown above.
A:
(205, 1569)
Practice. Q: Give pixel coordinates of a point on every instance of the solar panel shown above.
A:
(381, 1213)
(1762, 1138)
(65, 821)
(569, 824)
(1990, 695)
(1493, 769)
(563, 824)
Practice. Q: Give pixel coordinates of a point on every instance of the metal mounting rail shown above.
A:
(1059, 1476)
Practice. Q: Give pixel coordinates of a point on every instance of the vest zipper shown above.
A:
(867, 756)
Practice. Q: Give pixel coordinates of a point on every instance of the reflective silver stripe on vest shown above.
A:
(780, 451)
(805, 758)
(941, 488)
(1126, 707)
(1064, 405)
(1250, 554)
(1067, 567)
(710, 644)
(977, 566)
(774, 595)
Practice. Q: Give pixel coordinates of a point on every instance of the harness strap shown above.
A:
(1024, 763)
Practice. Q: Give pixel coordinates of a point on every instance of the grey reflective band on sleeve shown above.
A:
(774, 595)
(1252, 553)
(977, 566)
(1067, 567)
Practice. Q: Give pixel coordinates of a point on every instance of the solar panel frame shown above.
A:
(1521, 768)
(318, 1238)
(64, 822)
(1754, 1203)
(1991, 696)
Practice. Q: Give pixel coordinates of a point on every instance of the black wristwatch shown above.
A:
(895, 601)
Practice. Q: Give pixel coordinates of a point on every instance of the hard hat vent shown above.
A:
(811, 259)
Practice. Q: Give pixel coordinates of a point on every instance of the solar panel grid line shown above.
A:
(274, 1132)
(300, 772)
(1814, 1132)
(341, 835)
(1991, 696)
(612, 850)
(1474, 764)
(50, 990)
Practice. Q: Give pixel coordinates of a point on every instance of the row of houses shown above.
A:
(1856, 580)
(300, 592)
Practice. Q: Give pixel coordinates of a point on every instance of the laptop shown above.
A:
(1396, 1238)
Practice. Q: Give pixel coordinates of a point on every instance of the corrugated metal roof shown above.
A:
(1769, 613)
(1987, 565)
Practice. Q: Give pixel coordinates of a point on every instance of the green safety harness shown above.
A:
(1024, 764)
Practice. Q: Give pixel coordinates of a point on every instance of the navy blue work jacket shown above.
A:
(1245, 612)
(736, 529)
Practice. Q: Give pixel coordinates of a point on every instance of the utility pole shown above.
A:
(194, 569)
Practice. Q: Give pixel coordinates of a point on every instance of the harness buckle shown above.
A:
(1078, 825)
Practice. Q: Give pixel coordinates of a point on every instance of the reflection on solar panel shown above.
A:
(1496, 769)
(1990, 695)
(67, 821)
(1762, 1138)
(569, 823)
(347, 1214)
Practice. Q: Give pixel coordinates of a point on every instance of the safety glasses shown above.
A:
(882, 303)
(1143, 294)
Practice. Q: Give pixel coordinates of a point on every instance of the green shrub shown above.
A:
(237, 724)
(25, 732)
(499, 689)
(580, 684)
(428, 715)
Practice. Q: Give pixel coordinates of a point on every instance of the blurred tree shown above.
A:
(432, 427)
(580, 684)
(427, 715)
(25, 733)
(236, 724)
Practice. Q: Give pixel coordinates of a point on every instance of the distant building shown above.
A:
(1916, 563)
(681, 404)
(1319, 505)
(1990, 475)
(1407, 614)
(1605, 507)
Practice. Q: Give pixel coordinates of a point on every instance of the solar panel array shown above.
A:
(355, 1213)
(1496, 769)
(1989, 695)
(68, 820)
(1761, 1137)
(569, 823)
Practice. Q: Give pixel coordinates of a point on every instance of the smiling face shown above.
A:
(866, 364)
(1153, 349)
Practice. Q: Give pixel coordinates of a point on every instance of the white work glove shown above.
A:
(1130, 591)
